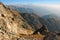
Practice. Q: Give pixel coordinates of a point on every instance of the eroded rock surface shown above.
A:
(12, 24)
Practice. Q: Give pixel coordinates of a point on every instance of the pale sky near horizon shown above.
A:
(30, 1)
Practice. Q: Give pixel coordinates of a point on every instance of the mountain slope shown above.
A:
(32, 19)
(13, 26)
(13, 21)
(52, 22)
(20, 26)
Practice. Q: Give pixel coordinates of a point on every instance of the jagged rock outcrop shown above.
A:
(43, 30)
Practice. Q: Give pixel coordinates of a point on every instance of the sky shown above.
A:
(30, 1)
(52, 5)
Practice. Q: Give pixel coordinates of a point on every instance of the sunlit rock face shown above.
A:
(13, 26)
(12, 22)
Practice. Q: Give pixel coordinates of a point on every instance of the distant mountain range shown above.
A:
(52, 21)
(41, 11)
